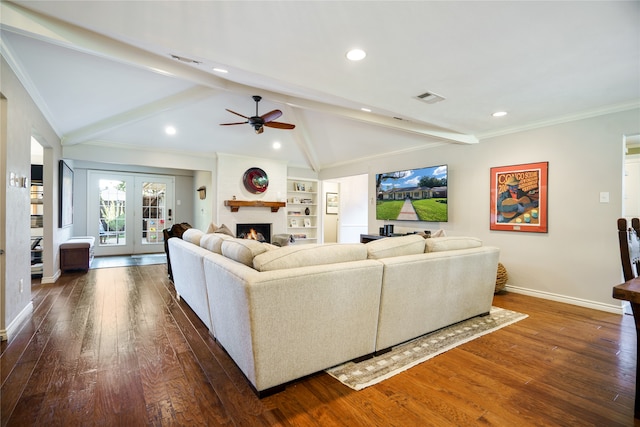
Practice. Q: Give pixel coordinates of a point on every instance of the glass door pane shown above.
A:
(112, 223)
(154, 211)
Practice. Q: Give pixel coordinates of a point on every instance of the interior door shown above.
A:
(127, 212)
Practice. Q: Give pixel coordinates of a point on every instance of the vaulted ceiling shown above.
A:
(106, 72)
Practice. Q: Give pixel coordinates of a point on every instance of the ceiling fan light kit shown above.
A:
(259, 122)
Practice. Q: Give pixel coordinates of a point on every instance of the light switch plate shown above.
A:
(604, 197)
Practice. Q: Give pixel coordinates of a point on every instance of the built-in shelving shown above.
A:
(302, 210)
(37, 215)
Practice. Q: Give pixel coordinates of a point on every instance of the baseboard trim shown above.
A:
(610, 308)
(14, 327)
(53, 279)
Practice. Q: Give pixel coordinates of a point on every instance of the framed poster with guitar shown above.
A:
(519, 197)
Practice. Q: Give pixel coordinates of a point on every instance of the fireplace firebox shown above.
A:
(259, 232)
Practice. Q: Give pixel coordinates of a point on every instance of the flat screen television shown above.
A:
(413, 195)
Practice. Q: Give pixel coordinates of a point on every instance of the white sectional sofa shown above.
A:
(187, 265)
(284, 313)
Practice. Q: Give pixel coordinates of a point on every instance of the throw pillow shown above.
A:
(212, 227)
(439, 233)
(223, 229)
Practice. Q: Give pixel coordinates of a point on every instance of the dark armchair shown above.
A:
(177, 230)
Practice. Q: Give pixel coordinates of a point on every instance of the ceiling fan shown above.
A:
(258, 122)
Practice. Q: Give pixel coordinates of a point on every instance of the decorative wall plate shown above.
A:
(255, 180)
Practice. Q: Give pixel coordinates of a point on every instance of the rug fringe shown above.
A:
(411, 364)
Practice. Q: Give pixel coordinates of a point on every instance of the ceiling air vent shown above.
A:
(430, 97)
(185, 60)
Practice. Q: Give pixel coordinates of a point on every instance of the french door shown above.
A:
(127, 212)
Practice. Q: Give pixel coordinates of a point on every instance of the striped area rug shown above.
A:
(404, 356)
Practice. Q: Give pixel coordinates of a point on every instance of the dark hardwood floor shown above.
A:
(113, 347)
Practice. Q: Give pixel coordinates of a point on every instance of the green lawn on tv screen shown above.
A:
(432, 210)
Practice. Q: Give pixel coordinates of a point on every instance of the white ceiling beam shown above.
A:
(303, 140)
(419, 128)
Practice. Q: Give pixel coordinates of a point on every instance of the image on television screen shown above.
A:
(413, 195)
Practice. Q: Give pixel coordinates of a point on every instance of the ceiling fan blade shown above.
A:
(236, 123)
(271, 116)
(280, 125)
(237, 114)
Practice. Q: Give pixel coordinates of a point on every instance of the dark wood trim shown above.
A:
(235, 205)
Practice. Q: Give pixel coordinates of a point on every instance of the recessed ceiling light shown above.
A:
(170, 130)
(356, 54)
(220, 70)
(366, 110)
(499, 114)
(276, 145)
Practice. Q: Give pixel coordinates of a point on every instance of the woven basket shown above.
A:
(501, 278)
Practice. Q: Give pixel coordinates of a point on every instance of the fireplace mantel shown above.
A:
(237, 204)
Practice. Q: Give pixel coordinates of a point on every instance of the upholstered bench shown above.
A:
(76, 253)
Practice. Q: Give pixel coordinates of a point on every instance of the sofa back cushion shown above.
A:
(395, 246)
(242, 250)
(192, 235)
(309, 254)
(441, 244)
(213, 242)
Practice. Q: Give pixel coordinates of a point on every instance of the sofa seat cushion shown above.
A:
(192, 235)
(441, 244)
(308, 255)
(395, 246)
(213, 242)
(242, 250)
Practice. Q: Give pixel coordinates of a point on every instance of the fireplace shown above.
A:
(260, 232)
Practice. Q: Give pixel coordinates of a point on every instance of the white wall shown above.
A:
(24, 120)
(578, 260)
(203, 209)
(230, 171)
